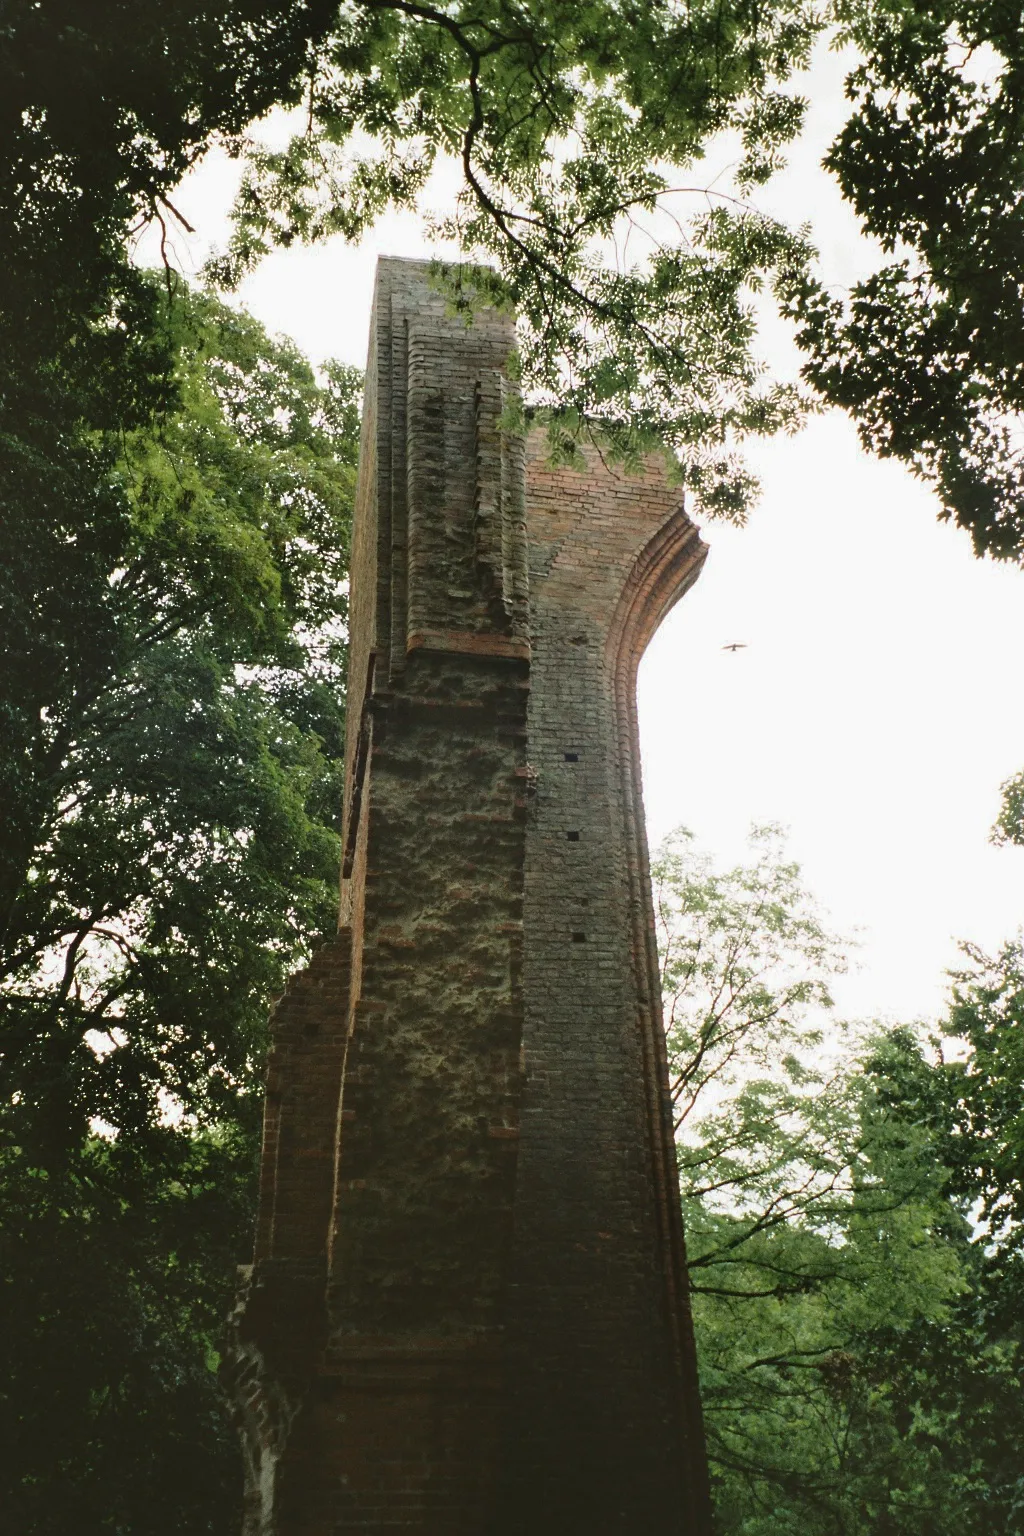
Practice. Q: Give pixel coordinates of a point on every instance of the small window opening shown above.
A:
(579, 938)
(573, 837)
(571, 757)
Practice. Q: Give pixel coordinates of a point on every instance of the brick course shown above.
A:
(467, 1311)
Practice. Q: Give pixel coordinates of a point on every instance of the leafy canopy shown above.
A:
(174, 676)
(173, 710)
(926, 352)
(569, 123)
(859, 1334)
(572, 125)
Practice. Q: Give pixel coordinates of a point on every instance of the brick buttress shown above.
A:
(467, 1313)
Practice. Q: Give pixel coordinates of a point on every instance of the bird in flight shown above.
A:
(737, 645)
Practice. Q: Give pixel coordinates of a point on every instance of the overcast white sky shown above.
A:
(877, 706)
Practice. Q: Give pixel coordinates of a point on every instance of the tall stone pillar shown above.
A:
(467, 1313)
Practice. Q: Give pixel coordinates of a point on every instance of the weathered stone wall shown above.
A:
(467, 1311)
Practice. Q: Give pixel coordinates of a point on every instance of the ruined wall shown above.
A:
(467, 1308)
(598, 1325)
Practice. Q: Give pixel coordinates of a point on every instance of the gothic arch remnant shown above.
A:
(467, 1313)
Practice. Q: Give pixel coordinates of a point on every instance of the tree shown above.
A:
(572, 124)
(981, 1095)
(565, 121)
(765, 1132)
(171, 527)
(925, 352)
(503, 85)
(859, 1343)
(173, 712)
(115, 1279)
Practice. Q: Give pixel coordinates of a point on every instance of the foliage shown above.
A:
(174, 492)
(572, 123)
(580, 130)
(764, 1130)
(859, 1339)
(926, 352)
(170, 757)
(103, 108)
(116, 1273)
(981, 1113)
(566, 119)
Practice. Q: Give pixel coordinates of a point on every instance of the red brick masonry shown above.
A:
(467, 1312)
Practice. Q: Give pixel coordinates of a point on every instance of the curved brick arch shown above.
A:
(467, 1314)
(663, 573)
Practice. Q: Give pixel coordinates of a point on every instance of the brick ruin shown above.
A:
(467, 1313)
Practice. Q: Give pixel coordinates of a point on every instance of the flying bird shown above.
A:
(737, 645)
